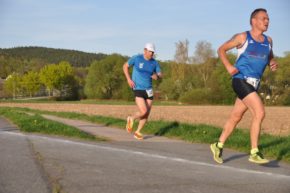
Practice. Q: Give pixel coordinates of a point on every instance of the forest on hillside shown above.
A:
(73, 75)
(26, 58)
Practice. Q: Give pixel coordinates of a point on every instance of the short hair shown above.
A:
(255, 12)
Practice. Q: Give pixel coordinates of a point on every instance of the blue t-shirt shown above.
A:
(253, 57)
(142, 71)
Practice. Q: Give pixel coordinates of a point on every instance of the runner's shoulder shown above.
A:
(240, 38)
(270, 40)
(137, 56)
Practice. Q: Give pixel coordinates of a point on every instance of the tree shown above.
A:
(170, 89)
(60, 77)
(4, 72)
(30, 82)
(8, 65)
(52, 56)
(172, 85)
(65, 74)
(181, 59)
(48, 76)
(203, 52)
(105, 77)
(181, 53)
(12, 85)
(280, 87)
(220, 84)
(204, 56)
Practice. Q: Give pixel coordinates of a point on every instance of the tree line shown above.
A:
(23, 59)
(197, 79)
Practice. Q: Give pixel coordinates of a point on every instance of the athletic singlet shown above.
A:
(253, 57)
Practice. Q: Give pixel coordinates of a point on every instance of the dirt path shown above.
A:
(277, 121)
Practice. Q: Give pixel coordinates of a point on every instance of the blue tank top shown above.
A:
(253, 57)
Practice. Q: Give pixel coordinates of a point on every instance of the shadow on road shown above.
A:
(271, 164)
(238, 156)
(8, 129)
(114, 122)
(285, 150)
(166, 129)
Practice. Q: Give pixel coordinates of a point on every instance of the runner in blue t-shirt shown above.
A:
(145, 68)
(254, 54)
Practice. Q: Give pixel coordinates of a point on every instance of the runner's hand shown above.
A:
(233, 70)
(154, 76)
(273, 65)
(131, 83)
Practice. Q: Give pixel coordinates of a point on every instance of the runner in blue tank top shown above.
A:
(254, 54)
(253, 57)
(145, 68)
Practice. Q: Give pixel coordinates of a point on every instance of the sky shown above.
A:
(123, 27)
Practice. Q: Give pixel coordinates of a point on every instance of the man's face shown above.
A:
(148, 54)
(261, 21)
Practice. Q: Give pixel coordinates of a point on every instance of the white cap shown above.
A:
(150, 47)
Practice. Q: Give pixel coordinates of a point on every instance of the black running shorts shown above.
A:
(242, 88)
(143, 94)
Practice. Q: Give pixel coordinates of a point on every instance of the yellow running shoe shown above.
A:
(258, 158)
(129, 125)
(138, 136)
(217, 153)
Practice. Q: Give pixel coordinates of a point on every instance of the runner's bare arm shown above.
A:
(272, 62)
(235, 42)
(127, 75)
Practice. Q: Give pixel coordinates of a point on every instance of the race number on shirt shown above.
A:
(149, 92)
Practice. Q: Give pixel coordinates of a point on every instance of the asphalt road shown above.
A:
(35, 164)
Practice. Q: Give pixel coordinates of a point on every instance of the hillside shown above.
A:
(51, 55)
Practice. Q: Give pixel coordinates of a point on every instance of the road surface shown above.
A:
(36, 163)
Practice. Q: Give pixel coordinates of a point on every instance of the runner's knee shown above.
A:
(236, 117)
(144, 113)
(259, 115)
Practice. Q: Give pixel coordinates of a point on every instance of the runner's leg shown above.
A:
(145, 107)
(256, 107)
(236, 115)
(140, 102)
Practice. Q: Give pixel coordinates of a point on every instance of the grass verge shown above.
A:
(272, 146)
(35, 123)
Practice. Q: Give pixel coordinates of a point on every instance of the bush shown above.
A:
(196, 96)
(286, 98)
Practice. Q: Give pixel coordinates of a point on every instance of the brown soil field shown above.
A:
(276, 122)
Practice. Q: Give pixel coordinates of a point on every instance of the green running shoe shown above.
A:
(217, 153)
(258, 158)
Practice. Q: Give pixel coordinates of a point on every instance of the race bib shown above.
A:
(149, 92)
(253, 81)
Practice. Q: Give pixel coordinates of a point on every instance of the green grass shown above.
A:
(47, 100)
(90, 101)
(272, 146)
(35, 123)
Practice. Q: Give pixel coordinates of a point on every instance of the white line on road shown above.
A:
(157, 156)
